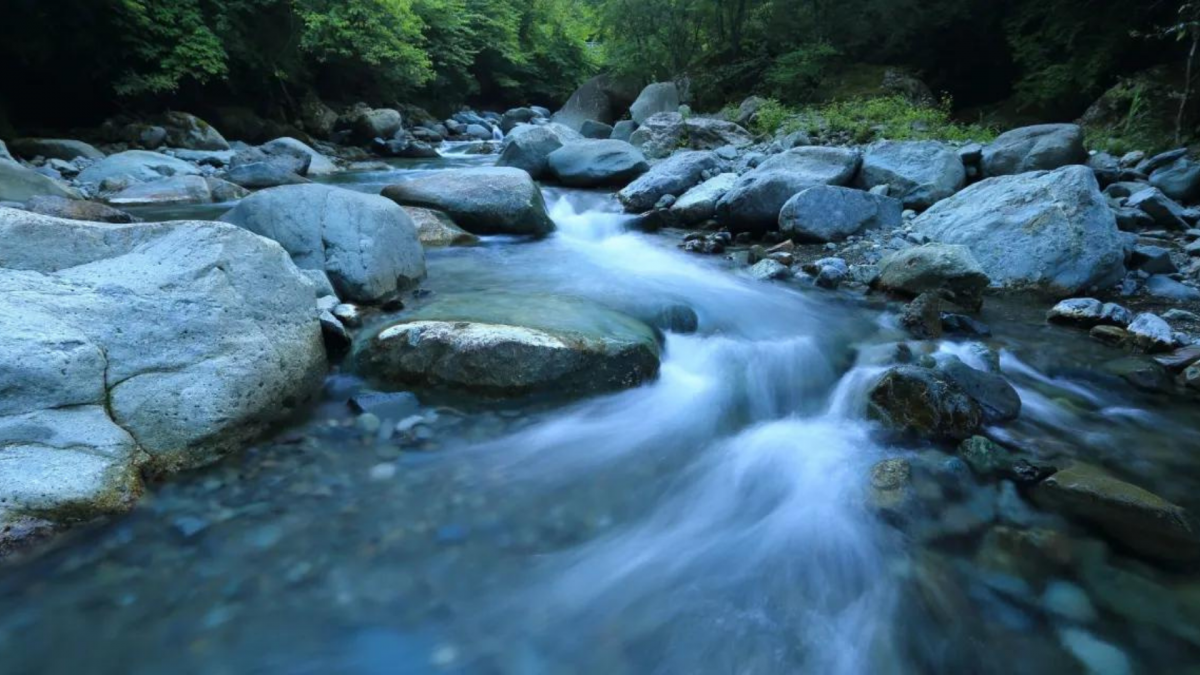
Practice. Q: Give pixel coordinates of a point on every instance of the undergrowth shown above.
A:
(862, 120)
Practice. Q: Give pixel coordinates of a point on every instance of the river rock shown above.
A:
(700, 203)
(1048, 231)
(151, 347)
(662, 134)
(77, 209)
(1151, 333)
(1166, 213)
(435, 229)
(517, 116)
(527, 147)
(768, 269)
(482, 201)
(672, 176)
(55, 148)
(318, 165)
(367, 124)
(1106, 167)
(596, 130)
(997, 399)
(1163, 286)
(173, 190)
(503, 345)
(185, 130)
(829, 213)
(947, 269)
(1179, 180)
(600, 98)
(593, 163)
(1138, 519)
(660, 97)
(366, 244)
(136, 166)
(918, 173)
(921, 402)
(1089, 312)
(1043, 147)
(756, 199)
(261, 175)
(4, 153)
(18, 184)
(623, 131)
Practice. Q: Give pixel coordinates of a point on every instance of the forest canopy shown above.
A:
(75, 57)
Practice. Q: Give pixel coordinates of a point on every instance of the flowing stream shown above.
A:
(716, 520)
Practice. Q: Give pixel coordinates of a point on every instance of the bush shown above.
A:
(863, 120)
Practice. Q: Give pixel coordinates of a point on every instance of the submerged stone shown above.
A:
(507, 345)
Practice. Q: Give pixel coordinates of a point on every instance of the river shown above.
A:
(716, 520)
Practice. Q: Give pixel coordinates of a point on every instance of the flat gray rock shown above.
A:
(496, 200)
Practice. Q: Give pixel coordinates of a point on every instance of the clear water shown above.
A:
(716, 520)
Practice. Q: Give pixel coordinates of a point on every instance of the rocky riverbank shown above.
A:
(136, 349)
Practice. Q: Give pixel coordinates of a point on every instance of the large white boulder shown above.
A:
(147, 347)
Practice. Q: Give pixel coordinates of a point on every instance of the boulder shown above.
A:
(662, 134)
(1148, 166)
(140, 348)
(700, 203)
(1166, 213)
(829, 213)
(623, 130)
(517, 116)
(1179, 181)
(318, 165)
(596, 130)
(480, 132)
(260, 175)
(136, 166)
(1136, 518)
(173, 190)
(407, 146)
(755, 200)
(596, 163)
(367, 124)
(949, 270)
(185, 130)
(1048, 231)
(1043, 147)
(601, 98)
(918, 173)
(1106, 167)
(923, 403)
(54, 148)
(482, 201)
(435, 229)
(660, 97)
(672, 176)
(527, 147)
(366, 244)
(224, 191)
(502, 345)
(76, 209)
(18, 184)
(768, 269)
(997, 399)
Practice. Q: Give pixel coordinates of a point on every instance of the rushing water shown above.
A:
(716, 520)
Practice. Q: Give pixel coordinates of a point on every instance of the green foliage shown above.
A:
(863, 120)
(168, 41)
(795, 76)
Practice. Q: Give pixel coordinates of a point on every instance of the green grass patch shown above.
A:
(863, 120)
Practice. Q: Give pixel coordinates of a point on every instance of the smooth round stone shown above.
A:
(1066, 600)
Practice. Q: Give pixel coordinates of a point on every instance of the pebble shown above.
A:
(1097, 656)
(1065, 599)
(368, 423)
(383, 471)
